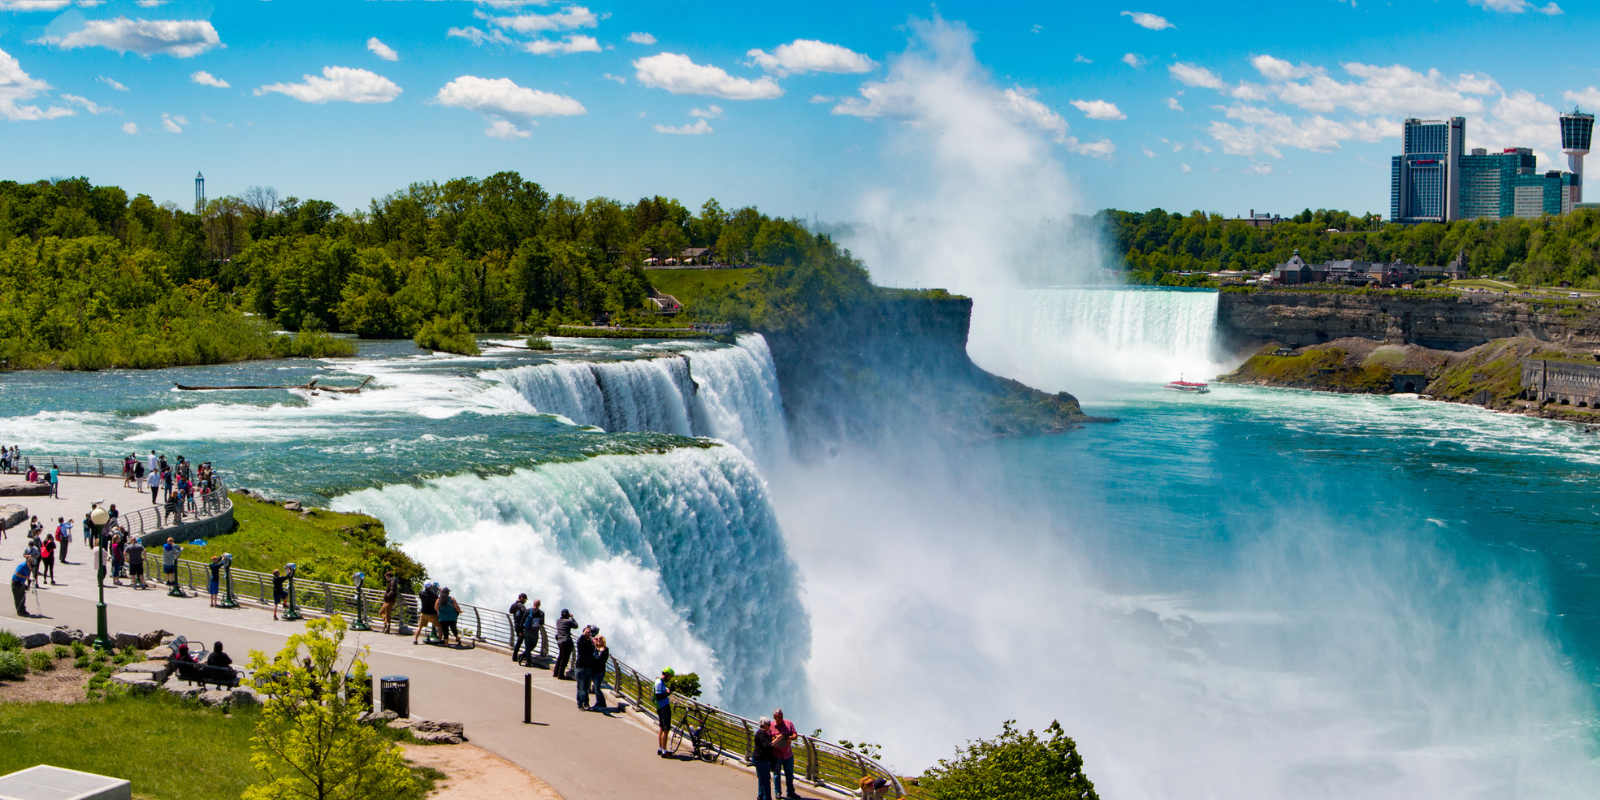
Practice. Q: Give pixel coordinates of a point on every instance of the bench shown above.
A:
(203, 674)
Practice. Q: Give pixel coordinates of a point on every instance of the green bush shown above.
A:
(686, 685)
(79, 649)
(1013, 766)
(41, 661)
(312, 344)
(539, 343)
(62, 651)
(448, 335)
(10, 641)
(13, 665)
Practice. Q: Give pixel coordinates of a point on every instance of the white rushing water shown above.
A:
(1068, 339)
(678, 557)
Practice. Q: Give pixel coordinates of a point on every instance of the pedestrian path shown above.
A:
(582, 755)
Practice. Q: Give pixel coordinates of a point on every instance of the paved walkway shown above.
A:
(582, 755)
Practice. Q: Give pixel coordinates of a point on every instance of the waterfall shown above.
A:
(728, 393)
(1062, 338)
(677, 557)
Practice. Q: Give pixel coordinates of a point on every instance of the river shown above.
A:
(1250, 593)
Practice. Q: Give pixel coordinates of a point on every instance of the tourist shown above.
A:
(519, 611)
(31, 556)
(63, 539)
(152, 469)
(55, 481)
(47, 559)
(391, 595)
(217, 658)
(127, 472)
(215, 581)
(663, 698)
(155, 485)
(89, 529)
(138, 476)
(428, 611)
(783, 738)
(19, 589)
(169, 562)
(584, 663)
(597, 672)
(565, 625)
(136, 563)
(111, 515)
(761, 757)
(449, 611)
(166, 481)
(33, 474)
(532, 629)
(873, 788)
(118, 556)
(279, 594)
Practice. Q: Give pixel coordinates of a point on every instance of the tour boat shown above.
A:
(1187, 386)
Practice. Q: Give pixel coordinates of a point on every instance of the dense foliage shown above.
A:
(91, 278)
(1156, 245)
(1013, 766)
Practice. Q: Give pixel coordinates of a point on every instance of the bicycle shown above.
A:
(698, 735)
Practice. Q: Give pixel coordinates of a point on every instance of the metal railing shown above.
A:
(145, 521)
(816, 761)
(70, 465)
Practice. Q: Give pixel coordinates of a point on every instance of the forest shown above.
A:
(1156, 246)
(91, 279)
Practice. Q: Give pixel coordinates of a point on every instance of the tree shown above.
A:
(1013, 766)
(310, 741)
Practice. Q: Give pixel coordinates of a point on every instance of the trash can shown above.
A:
(358, 693)
(395, 693)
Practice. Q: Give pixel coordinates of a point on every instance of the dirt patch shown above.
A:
(473, 773)
(64, 684)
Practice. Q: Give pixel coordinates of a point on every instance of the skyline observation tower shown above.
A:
(1576, 130)
(200, 192)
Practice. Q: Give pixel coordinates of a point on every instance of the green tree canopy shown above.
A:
(1013, 766)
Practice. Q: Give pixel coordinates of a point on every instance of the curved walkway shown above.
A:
(581, 755)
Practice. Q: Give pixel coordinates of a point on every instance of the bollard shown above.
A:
(527, 698)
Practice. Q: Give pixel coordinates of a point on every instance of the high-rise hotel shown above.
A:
(1433, 180)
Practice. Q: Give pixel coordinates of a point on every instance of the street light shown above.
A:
(102, 640)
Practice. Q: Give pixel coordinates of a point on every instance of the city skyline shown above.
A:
(1142, 106)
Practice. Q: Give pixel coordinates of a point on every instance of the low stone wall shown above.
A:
(26, 490)
(1562, 382)
(189, 531)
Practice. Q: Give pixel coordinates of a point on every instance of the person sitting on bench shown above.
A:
(219, 658)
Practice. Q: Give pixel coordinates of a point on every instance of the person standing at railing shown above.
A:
(597, 673)
(214, 583)
(565, 625)
(449, 613)
(584, 663)
(169, 561)
(55, 482)
(519, 614)
(783, 738)
(391, 595)
(761, 757)
(127, 471)
(136, 563)
(279, 594)
(532, 629)
(427, 611)
(663, 700)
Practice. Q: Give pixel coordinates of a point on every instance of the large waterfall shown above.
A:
(1064, 338)
(678, 557)
(728, 393)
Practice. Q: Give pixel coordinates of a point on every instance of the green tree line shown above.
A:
(91, 278)
(1156, 246)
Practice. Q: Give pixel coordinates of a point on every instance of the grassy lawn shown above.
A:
(166, 748)
(1484, 283)
(689, 284)
(326, 545)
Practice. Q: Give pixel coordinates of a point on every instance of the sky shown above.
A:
(795, 108)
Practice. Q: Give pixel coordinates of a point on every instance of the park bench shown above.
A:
(206, 675)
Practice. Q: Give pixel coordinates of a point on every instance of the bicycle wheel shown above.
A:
(706, 751)
(676, 739)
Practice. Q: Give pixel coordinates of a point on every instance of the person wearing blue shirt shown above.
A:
(19, 589)
(663, 698)
(55, 481)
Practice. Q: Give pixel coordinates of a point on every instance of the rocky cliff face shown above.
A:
(900, 363)
(1298, 319)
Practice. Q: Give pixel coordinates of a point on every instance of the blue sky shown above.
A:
(1224, 107)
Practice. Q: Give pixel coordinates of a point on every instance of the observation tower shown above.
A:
(200, 189)
(1576, 130)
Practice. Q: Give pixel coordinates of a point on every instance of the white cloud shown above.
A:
(1102, 149)
(34, 5)
(1198, 145)
(1186, 168)
(1099, 109)
(679, 75)
(207, 79)
(1172, 103)
(699, 127)
(382, 50)
(810, 55)
(1259, 168)
(504, 96)
(1279, 70)
(149, 3)
(89, 105)
(342, 84)
(504, 129)
(172, 124)
(573, 43)
(17, 86)
(1149, 21)
(1191, 75)
(639, 37)
(1134, 60)
(821, 98)
(1023, 108)
(712, 111)
(130, 128)
(1148, 153)
(1588, 97)
(1081, 59)
(1517, 6)
(1263, 130)
(113, 84)
(618, 78)
(478, 37)
(567, 19)
(179, 38)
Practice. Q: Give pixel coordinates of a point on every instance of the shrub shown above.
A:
(79, 649)
(62, 651)
(10, 641)
(686, 685)
(41, 661)
(312, 344)
(539, 343)
(1013, 766)
(448, 335)
(13, 665)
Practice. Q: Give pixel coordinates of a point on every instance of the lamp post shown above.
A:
(102, 639)
(361, 605)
